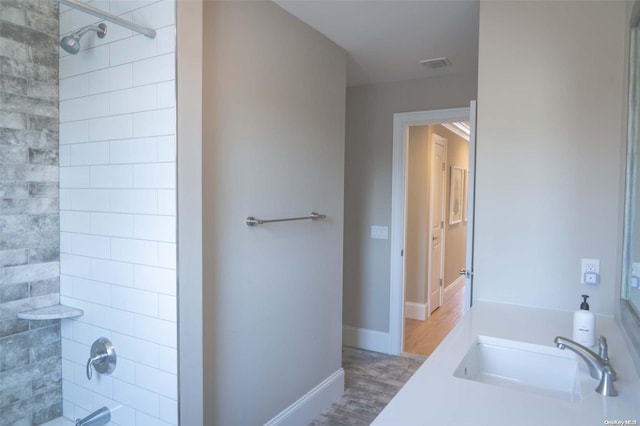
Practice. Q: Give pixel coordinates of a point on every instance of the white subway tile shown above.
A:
(123, 415)
(90, 291)
(86, 307)
(167, 307)
(146, 420)
(66, 285)
(67, 367)
(77, 266)
(113, 319)
(126, 370)
(128, 151)
(112, 224)
(65, 20)
(166, 40)
(90, 60)
(89, 199)
(71, 221)
(134, 251)
(143, 400)
(86, 334)
(156, 15)
(80, 19)
(157, 228)
(115, 176)
(113, 78)
(134, 201)
(75, 394)
(136, 99)
(74, 352)
(85, 154)
(74, 87)
(166, 94)
(74, 132)
(168, 359)
(75, 177)
(154, 176)
(114, 32)
(167, 255)
(159, 280)
(154, 123)
(167, 148)
(123, 6)
(90, 245)
(131, 49)
(101, 384)
(156, 330)
(83, 108)
(108, 128)
(158, 381)
(133, 300)
(65, 242)
(66, 327)
(169, 410)
(134, 349)
(154, 70)
(167, 202)
(65, 156)
(112, 272)
(64, 202)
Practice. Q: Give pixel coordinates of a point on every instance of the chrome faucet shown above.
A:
(599, 366)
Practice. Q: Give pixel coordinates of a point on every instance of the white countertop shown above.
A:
(433, 396)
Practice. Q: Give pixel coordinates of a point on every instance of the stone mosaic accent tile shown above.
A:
(30, 352)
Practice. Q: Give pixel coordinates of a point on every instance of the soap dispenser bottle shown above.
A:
(584, 324)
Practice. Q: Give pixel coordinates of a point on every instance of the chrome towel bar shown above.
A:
(252, 221)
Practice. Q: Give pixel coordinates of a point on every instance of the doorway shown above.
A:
(448, 186)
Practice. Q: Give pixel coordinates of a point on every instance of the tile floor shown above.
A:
(371, 380)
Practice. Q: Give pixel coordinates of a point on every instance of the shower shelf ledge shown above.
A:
(51, 313)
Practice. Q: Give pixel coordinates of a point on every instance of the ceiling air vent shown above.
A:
(435, 63)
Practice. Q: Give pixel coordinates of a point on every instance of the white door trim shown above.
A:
(401, 124)
(443, 208)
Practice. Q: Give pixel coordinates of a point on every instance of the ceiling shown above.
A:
(386, 39)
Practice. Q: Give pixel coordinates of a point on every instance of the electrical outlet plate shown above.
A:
(590, 272)
(635, 275)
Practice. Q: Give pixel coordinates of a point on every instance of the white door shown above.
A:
(436, 219)
(471, 185)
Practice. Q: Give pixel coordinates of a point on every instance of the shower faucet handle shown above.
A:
(103, 357)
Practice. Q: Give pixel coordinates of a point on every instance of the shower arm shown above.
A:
(75, 4)
(100, 29)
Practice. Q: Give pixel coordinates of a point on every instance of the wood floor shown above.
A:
(422, 337)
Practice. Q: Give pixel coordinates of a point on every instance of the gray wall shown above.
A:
(368, 164)
(549, 164)
(30, 366)
(273, 146)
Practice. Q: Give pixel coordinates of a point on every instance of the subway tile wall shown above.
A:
(118, 213)
(30, 366)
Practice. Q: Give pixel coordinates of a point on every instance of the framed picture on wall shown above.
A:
(455, 195)
(465, 190)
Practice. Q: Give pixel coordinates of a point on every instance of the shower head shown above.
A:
(71, 42)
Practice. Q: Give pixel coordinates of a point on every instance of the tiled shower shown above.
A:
(104, 239)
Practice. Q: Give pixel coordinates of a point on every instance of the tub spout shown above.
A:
(100, 417)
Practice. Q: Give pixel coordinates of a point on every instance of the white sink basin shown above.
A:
(543, 370)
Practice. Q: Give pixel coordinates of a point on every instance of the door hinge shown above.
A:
(443, 167)
(440, 282)
(401, 252)
(442, 224)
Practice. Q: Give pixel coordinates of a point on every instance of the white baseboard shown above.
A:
(453, 288)
(313, 403)
(363, 338)
(417, 311)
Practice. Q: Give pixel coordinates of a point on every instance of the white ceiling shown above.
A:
(385, 39)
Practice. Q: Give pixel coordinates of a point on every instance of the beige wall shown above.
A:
(273, 146)
(417, 229)
(417, 220)
(368, 158)
(549, 143)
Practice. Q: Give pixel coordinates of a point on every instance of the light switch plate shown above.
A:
(380, 232)
(635, 275)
